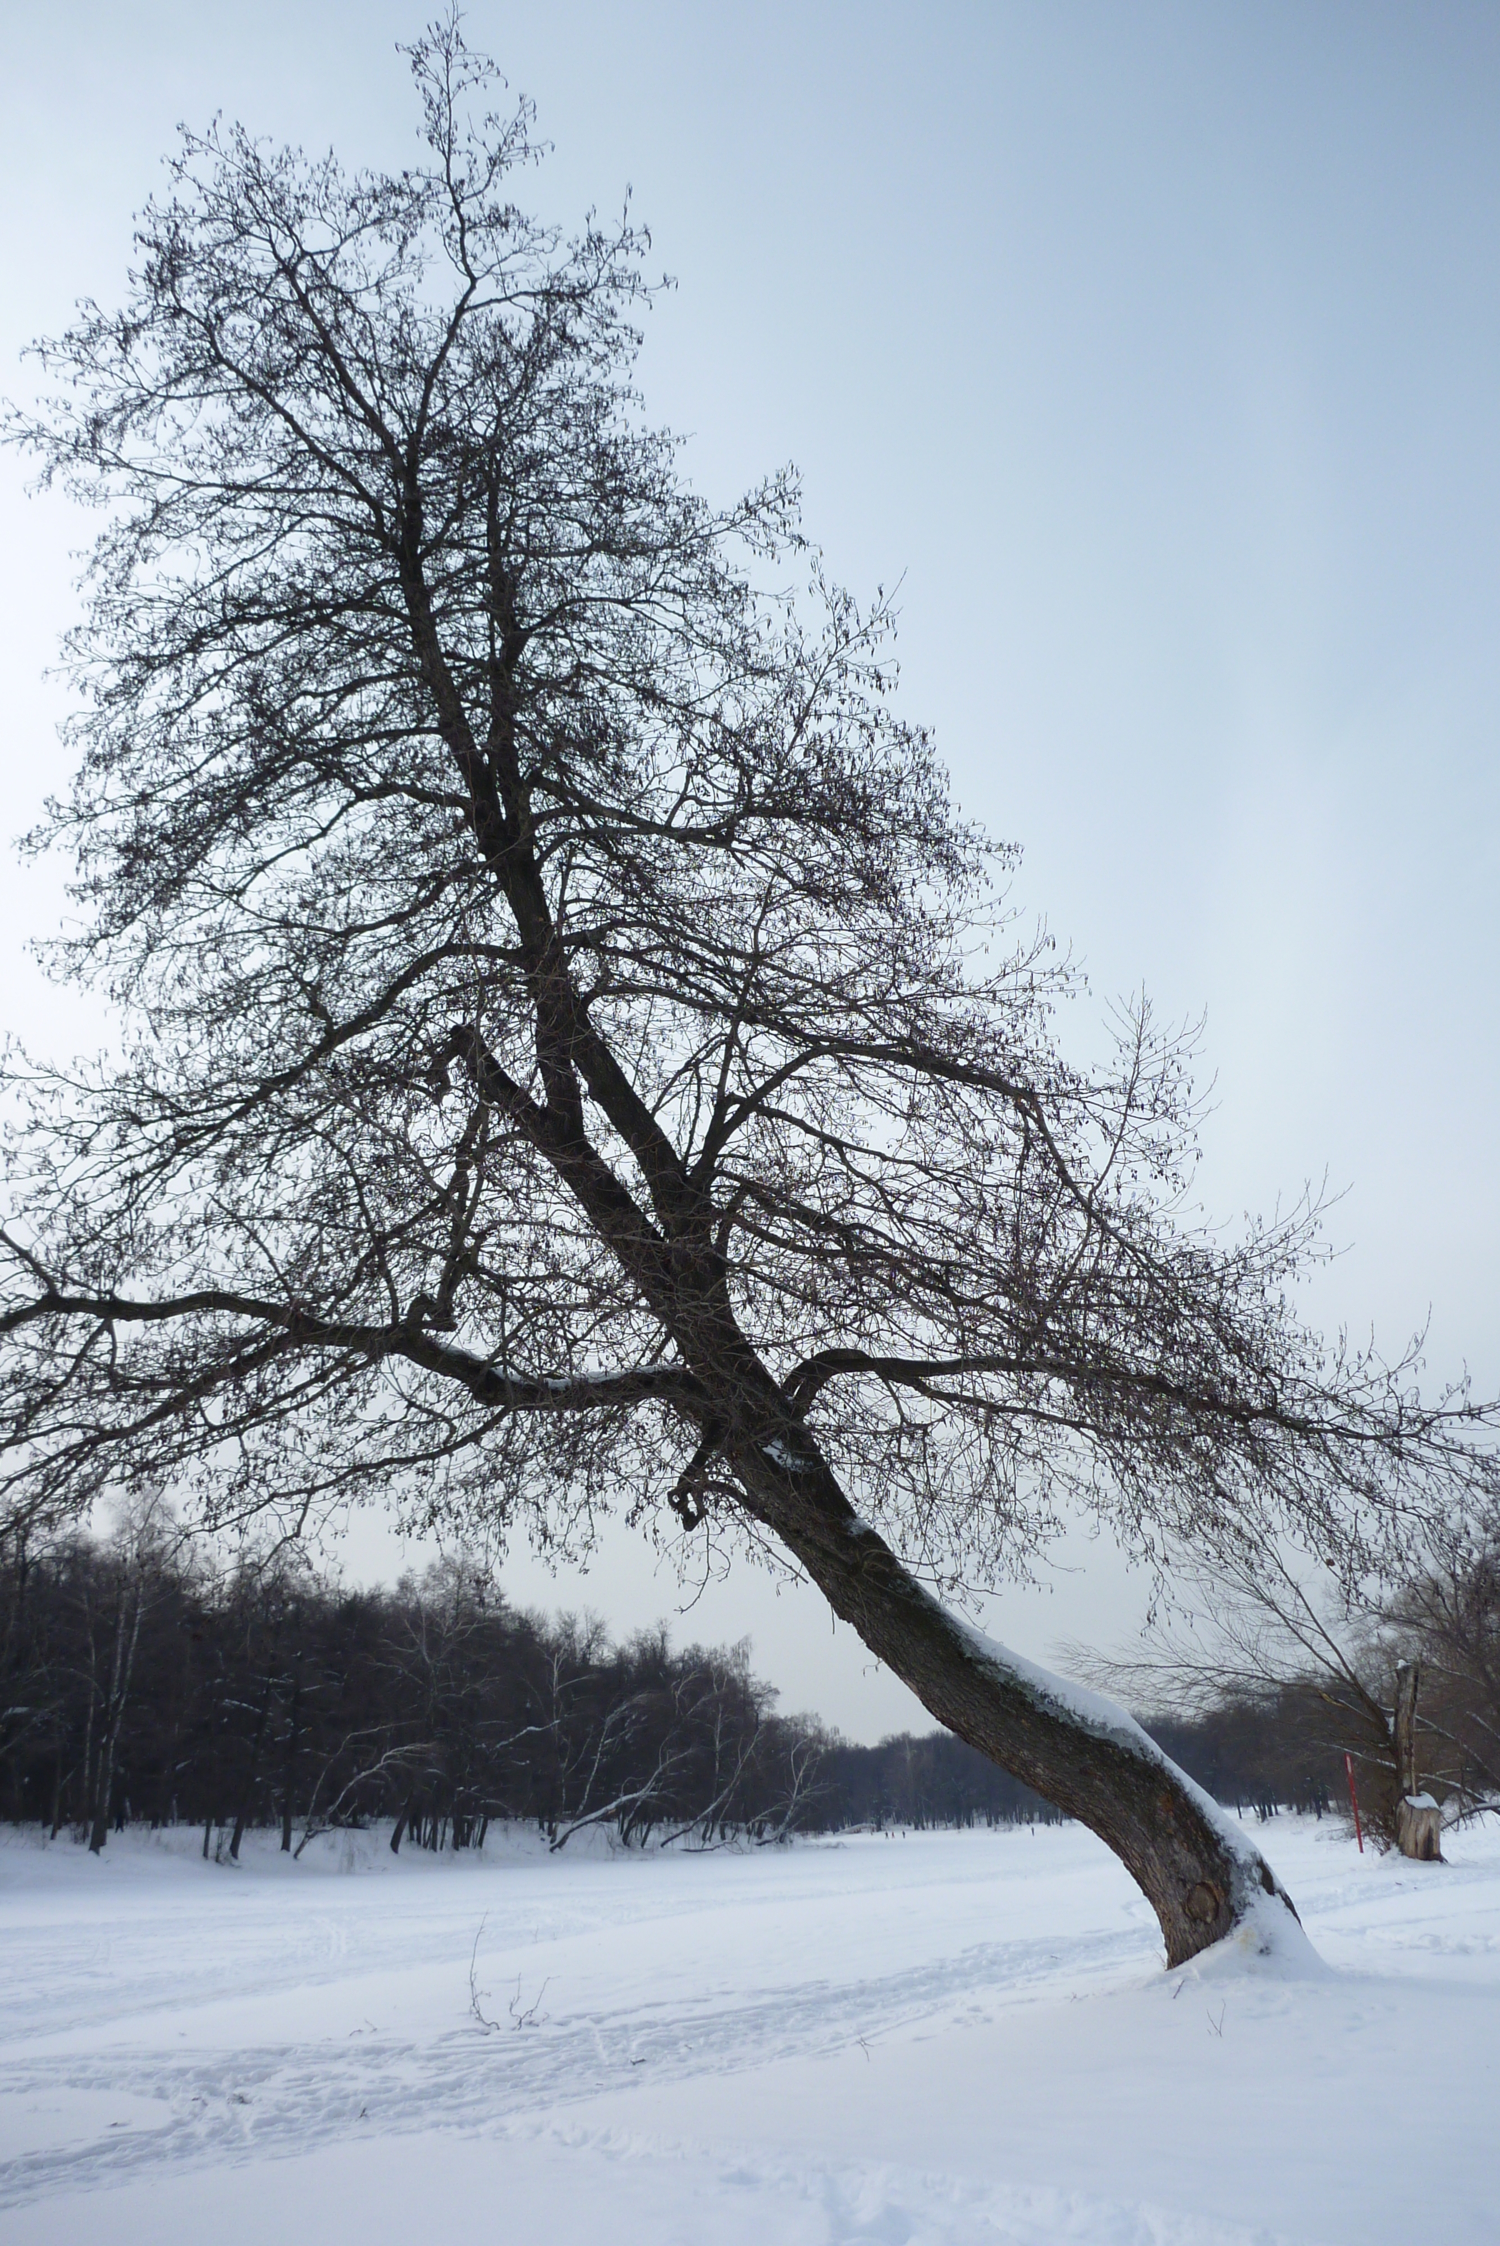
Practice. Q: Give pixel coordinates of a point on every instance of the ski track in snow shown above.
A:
(273, 2102)
(165, 2021)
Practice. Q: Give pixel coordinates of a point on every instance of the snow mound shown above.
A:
(1269, 1941)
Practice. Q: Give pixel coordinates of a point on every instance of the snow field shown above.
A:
(922, 2041)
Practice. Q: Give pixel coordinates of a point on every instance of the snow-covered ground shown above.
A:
(953, 2037)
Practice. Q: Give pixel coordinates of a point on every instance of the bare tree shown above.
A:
(1342, 1665)
(134, 1566)
(1447, 1615)
(1252, 1632)
(369, 1761)
(31, 1699)
(577, 1056)
(260, 1686)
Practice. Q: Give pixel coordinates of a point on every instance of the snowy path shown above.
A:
(941, 2038)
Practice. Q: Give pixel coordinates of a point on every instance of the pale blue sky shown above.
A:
(1158, 347)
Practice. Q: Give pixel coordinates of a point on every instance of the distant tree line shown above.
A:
(147, 1679)
(1248, 1754)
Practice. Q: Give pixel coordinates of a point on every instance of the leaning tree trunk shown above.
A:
(1202, 1876)
(1200, 1873)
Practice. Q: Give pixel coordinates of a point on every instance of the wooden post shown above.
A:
(1418, 1819)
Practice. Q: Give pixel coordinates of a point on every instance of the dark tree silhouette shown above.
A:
(262, 1693)
(575, 1057)
(1317, 1672)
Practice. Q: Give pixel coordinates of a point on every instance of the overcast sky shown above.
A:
(1155, 349)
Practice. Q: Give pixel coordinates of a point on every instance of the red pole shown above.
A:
(1354, 1801)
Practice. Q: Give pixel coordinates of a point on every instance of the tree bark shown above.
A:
(1418, 1817)
(1200, 1875)
(1408, 1684)
(1419, 1827)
